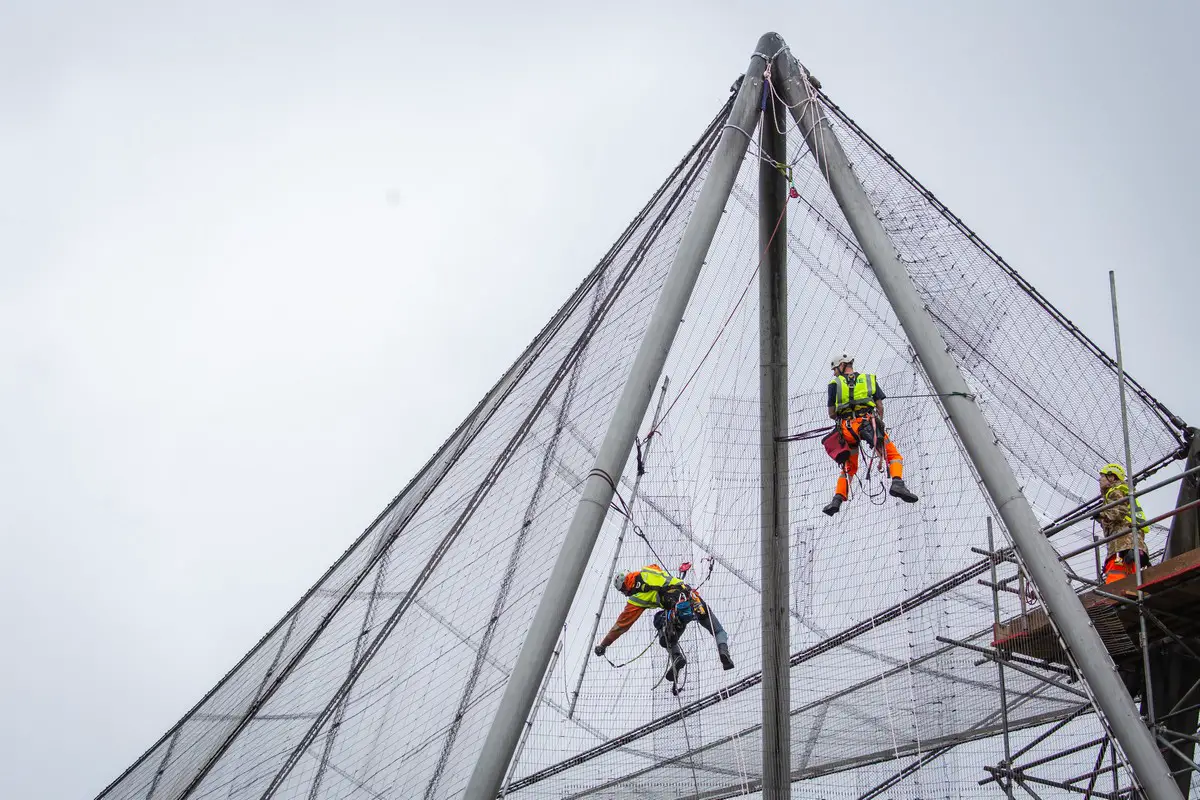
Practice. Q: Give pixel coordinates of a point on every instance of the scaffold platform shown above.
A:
(1171, 592)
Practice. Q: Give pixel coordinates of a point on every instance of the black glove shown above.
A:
(600, 648)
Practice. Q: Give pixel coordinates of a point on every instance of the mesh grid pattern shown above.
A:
(383, 681)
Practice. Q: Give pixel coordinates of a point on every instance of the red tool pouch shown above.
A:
(835, 445)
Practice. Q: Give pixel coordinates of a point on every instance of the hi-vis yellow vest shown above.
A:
(852, 398)
(1141, 515)
(648, 585)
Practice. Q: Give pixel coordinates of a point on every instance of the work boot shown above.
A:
(835, 505)
(900, 490)
(678, 662)
(723, 652)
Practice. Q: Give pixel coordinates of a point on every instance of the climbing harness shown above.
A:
(668, 630)
(688, 605)
(869, 442)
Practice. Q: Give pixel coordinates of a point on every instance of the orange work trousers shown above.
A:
(1120, 566)
(850, 429)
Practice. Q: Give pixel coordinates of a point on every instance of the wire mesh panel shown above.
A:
(361, 680)
(887, 594)
(383, 681)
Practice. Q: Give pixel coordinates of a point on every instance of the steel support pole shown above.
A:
(1147, 694)
(616, 559)
(522, 686)
(773, 407)
(979, 442)
(528, 729)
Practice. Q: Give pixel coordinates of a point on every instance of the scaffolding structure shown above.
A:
(1150, 624)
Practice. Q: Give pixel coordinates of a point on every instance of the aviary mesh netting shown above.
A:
(383, 680)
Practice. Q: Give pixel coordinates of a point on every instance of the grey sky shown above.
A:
(256, 263)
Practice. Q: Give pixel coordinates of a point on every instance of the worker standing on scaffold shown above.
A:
(856, 404)
(678, 604)
(1119, 563)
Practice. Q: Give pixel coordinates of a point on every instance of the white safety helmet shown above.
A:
(841, 358)
(619, 582)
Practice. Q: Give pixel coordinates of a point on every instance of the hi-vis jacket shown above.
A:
(649, 585)
(653, 587)
(853, 398)
(1117, 519)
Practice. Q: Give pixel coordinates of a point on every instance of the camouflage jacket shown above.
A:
(1116, 519)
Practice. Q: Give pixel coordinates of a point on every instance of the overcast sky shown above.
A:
(256, 262)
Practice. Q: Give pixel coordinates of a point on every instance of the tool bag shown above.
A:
(684, 612)
(836, 445)
(841, 441)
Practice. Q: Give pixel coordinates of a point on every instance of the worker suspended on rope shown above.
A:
(1119, 563)
(856, 406)
(678, 604)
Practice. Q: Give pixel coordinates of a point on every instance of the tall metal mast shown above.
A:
(773, 403)
(522, 686)
(1040, 559)
(616, 559)
(1147, 694)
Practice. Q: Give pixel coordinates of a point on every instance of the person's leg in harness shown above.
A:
(849, 468)
(869, 430)
(708, 620)
(895, 462)
(670, 628)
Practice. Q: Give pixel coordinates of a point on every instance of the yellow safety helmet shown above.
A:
(1115, 470)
